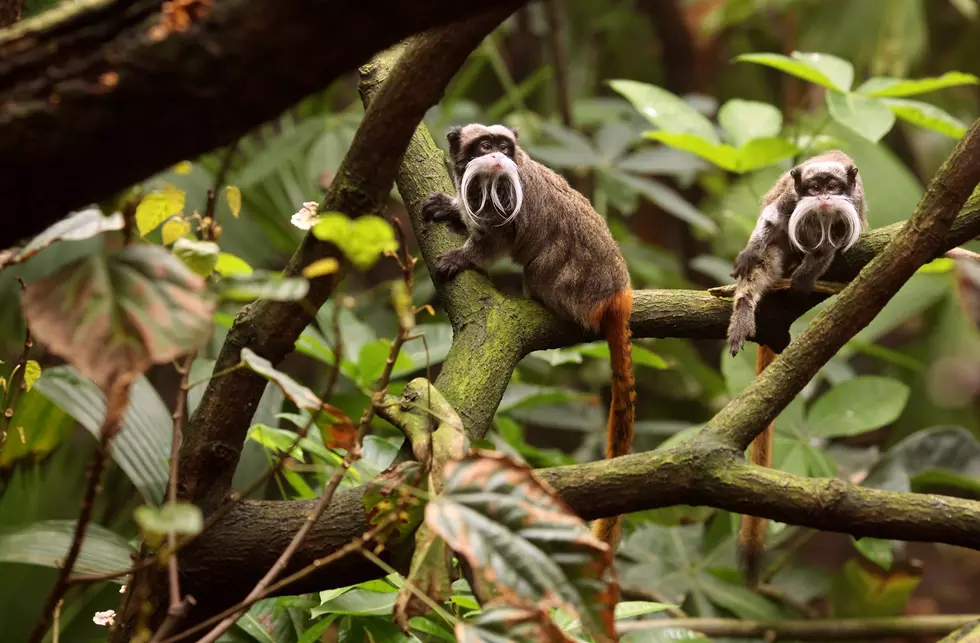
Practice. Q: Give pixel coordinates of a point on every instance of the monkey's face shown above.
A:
(488, 182)
(825, 213)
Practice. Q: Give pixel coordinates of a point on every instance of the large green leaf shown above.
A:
(261, 285)
(120, 313)
(663, 196)
(867, 116)
(744, 120)
(721, 154)
(860, 405)
(363, 240)
(46, 543)
(862, 592)
(505, 623)
(927, 116)
(38, 426)
(142, 447)
(665, 110)
(762, 152)
(950, 448)
(883, 86)
(821, 69)
(517, 535)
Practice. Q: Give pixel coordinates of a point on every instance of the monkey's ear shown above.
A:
(516, 132)
(453, 136)
(852, 173)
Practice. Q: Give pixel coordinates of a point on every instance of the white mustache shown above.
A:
(484, 169)
(841, 210)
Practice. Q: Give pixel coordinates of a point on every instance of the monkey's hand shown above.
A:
(802, 284)
(451, 263)
(440, 207)
(746, 261)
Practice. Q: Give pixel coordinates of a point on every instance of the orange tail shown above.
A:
(752, 530)
(616, 326)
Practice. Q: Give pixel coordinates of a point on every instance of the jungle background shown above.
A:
(585, 81)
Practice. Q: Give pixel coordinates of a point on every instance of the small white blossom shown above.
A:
(122, 590)
(307, 217)
(107, 618)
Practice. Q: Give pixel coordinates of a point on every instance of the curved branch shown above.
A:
(91, 100)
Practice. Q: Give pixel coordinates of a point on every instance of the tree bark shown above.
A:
(92, 102)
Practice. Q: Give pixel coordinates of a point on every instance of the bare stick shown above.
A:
(116, 402)
(16, 382)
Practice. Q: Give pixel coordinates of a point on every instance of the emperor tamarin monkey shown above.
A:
(511, 204)
(812, 212)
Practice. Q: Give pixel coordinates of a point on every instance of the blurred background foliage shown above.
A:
(896, 409)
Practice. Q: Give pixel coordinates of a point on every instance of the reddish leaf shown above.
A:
(119, 313)
(77, 226)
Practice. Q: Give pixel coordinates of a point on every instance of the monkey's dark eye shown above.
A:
(813, 190)
(833, 187)
(505, 148)
(486, 147)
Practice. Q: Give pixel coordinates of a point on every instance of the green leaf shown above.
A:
(371, 361)
(884, 86)
(503, 623)
(928, 116)
(722, 155)
(763, 152)
(47, 542)
(358, 602)
(37, 428)
(32, 372)
(949, 448)
(663, 635)
(391, 491)
(121, 313)
(229, 264)
(663, 196)
(860, 592)
(261, 284)
(513, 529)
(876, 550)
(300, 395)
(869, 117)
(831, 76)
(173, 229)
(199, 256)
(181, 518)
(234, 197)
(157, 207)
(860, 405)
(362, 240)
(665, 110)
(839, 71)
(744, 120)
(740, 600)
(641, 356)
(80, 225)
(142, 447)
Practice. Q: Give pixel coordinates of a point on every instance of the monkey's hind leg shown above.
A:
(759, 277)
(752, 529)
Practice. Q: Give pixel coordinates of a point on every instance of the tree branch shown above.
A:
(92, 100)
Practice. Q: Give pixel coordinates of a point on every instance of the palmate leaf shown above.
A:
(522, 541)
(119, 313)
(504, 623)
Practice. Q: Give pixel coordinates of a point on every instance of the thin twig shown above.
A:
(555, 10)
(407, 263)
(116, 402)
(841, 629)
(822, 287)
(16, 383)
(422, 596)
(350, 548)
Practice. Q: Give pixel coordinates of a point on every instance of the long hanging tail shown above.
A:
(752, 530)
(619, 439)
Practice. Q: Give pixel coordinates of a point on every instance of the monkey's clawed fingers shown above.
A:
(439, 207)
(449, 264)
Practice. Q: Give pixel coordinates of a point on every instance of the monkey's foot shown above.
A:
(439, 207)
(451, 263)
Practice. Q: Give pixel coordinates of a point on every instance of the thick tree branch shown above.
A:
(270, 328)
(92, 101)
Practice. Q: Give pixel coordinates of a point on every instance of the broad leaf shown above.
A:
(860, 405)
(762, 152)
(142, 447)
(665, 110)
(641, 356)
(363, 240)
(928, 116)
(234, 197)
(121, 313)
(839, 71)
(884, 86)
(805, 68)
(393, 491)
(861, 592)
(505, 623)
(722, 155)
(869, 117)
(47, 542)
(321, 267)
(181, 518)
(261, 284)
(75, 227)
(228, 264)
(876, 550)
(744, 120)
(665, 197)
(950, 448)
(157, 207)
(174, 229)
(358, 602)
(518, 535)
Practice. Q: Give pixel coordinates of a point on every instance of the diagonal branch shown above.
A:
(94, 100)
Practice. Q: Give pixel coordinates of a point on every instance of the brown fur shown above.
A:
(572, 265)
(752, 530)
